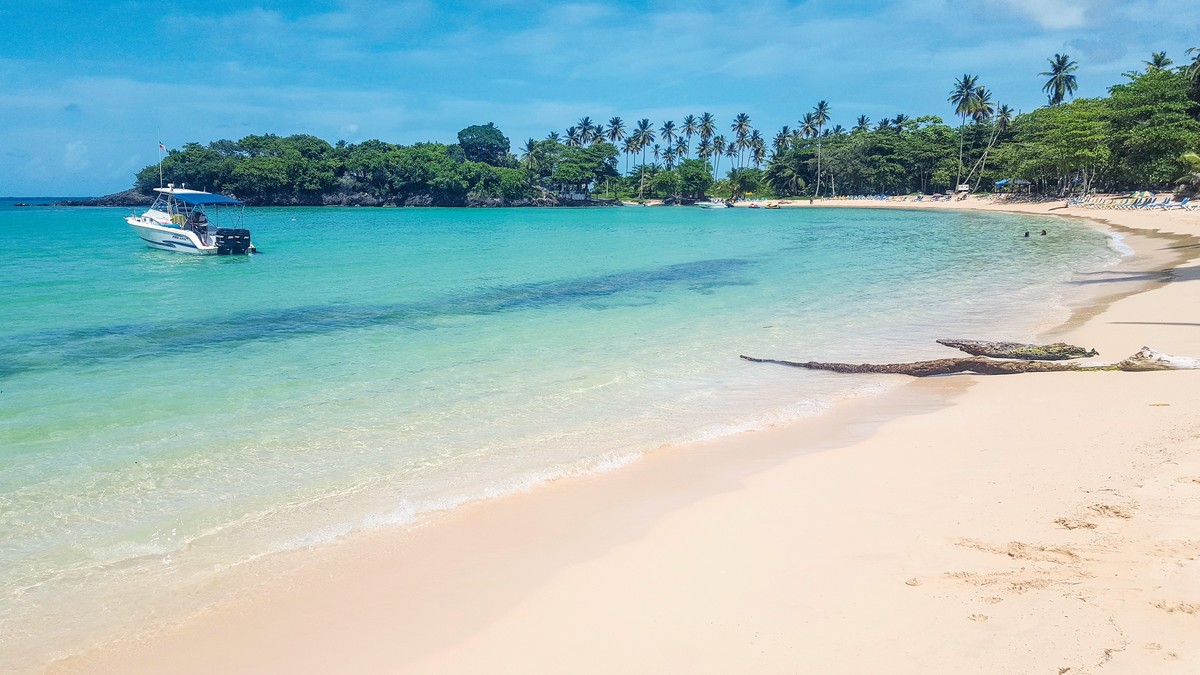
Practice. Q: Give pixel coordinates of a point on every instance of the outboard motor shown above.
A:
(232, 241)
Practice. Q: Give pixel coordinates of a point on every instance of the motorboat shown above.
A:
(193, 221)
(713, 204)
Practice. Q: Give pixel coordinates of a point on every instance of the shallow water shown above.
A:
(165, 417)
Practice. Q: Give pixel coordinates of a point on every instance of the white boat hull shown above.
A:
(166, 238)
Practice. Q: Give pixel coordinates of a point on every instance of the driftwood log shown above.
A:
(1146, 359)
(1059, 351)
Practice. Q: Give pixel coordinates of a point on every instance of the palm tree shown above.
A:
(883, 125)
(629, 148)
(681, 147)
(1158, 61)
(1061, 83)
(707, 126)
(1191, 180)
(838, 130)
(820, 116)
(1003, 115)
(863, 123)
(732, 151)
(740, 129)
(782, 139)
(963, 98)
(615, 134)
(656, 152)
(899, 121)
(705, 149)
(668, 155)
(718, 146)
(690, 128)
(585, 131)
(552, 136)
(1192, 70)
(531, 158)
(598, 133)
(573, 137)
(644, 133)
(668, 132)
(808, 127)
(982, 109)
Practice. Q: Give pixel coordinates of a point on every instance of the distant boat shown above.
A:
(179, 220)
(625, 203)
(771, 206)
(712, 204)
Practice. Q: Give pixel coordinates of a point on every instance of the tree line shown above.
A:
(1143, 134)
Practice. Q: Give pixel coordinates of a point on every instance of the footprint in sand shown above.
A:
(978, 617)
(1075, 524)
(1111, 511)
(1184, 607)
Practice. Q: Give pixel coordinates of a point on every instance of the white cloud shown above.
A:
(75, 156)
(1050, 14)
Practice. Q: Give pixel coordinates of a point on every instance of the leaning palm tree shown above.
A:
(1002, 116)
(1061, 83)
(863, 123)
(963, 98)
(1158, 61)
(690, 128)
(820, 115)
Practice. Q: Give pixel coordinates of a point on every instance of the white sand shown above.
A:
(1032, 523)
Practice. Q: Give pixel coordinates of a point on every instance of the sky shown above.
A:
(88, 89)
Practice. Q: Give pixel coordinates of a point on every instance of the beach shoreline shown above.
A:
(917, 531)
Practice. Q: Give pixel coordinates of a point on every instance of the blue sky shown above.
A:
(87, 88)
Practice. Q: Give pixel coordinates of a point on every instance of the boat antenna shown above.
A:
(161, 147)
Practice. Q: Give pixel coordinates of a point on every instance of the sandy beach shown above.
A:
(1042, 523)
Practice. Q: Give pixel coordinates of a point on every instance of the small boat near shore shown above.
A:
(190, 221)
(713, 204)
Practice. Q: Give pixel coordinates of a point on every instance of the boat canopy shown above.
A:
(205, 199)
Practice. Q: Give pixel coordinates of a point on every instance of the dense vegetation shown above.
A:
(1144, 134)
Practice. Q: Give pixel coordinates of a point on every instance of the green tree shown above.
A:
(484, 143)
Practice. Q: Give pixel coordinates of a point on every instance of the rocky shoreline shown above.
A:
(133, 197)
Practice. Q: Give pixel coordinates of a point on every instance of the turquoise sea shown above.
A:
(166, 418)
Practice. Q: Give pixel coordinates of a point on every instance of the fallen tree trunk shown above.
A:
(1017, 350)
(1145, 360)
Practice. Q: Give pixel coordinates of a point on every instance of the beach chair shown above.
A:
(1182, 204)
